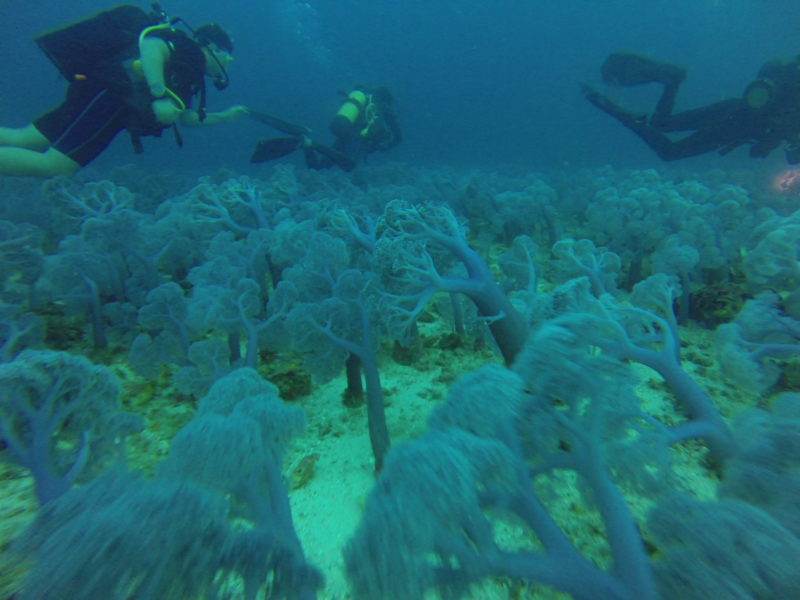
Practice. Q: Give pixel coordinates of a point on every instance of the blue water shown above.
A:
(479, 83)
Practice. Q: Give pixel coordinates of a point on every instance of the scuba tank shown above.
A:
(353, 106)
(358, 108)
(778, 84)
(345, 119)
(759, 93)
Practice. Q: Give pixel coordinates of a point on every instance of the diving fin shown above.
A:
(635, 122)
(273, 148)
(279, 124)
(627, 68)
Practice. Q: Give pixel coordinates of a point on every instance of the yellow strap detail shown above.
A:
(175, 97)
(170, 93)
(370, 113)
(147, 30)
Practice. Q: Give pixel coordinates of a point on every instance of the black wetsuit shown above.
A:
(723, 125)
(361, 137)
(114, 97)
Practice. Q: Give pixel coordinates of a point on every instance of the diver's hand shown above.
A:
(166, 112)
(235, 112)
(157, 90)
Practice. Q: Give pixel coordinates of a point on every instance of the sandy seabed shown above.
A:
(328, 506)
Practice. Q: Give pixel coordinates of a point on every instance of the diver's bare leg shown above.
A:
(25, 137)
(28, 163)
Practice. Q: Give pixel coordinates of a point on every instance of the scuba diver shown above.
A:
(367, 122)
(767, 114)
(126, 69)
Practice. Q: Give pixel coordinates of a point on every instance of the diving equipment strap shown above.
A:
(370, 114)
(142, 35)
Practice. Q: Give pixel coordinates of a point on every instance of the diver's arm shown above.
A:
(166, 111)
(190, 118)
(154, 54)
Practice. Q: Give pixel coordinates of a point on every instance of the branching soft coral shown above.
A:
(426, 524)
(632, 333)
(58, 417)
(759, 333)
(333, 316)
(416, 244)
(582, 258)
